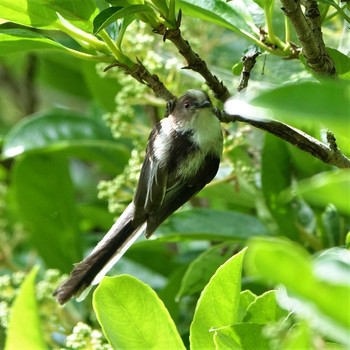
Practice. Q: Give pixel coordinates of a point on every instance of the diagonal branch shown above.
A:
(140, 73)
(194, 62)
(328, 154)
(308, 30)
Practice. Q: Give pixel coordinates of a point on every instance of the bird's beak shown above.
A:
(204, 104)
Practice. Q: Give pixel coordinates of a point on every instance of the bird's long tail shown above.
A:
(108, 251)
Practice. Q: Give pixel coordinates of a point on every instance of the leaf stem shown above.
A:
(86, 56)
(86, 40)
(119, 56)
(273, 38)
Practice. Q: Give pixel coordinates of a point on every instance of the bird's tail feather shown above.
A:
(109, 250)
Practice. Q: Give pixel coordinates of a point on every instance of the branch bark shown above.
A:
(308, 30)
(139, 72)
(328, 154)
(194, 62)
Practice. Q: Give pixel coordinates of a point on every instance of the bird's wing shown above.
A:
(152, 183)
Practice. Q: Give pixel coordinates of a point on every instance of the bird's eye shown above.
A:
(187, 104)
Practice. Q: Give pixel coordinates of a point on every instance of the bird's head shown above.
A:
(190, 105)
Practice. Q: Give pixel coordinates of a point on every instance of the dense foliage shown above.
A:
(258, 260)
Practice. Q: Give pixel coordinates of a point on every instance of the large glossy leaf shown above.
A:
(59, 130)
(111, 14)
(222, 13)
(210, 225)
(24, 331)
(286, 263)
(78, 12)
(44, 198)
(32, 13)
(133, 317)
(218, 305)
(14, 40)
(325, 104)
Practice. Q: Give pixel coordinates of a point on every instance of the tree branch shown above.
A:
(139, 72)
(308, 31)
(194, 62)
(328, 154)
(249, 61)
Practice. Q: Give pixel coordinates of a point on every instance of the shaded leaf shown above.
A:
(44, 197)
(203, 267)
(210, 225)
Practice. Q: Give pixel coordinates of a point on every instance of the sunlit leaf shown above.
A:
(15, 40)
(32, 13)
(111, 14)
(24, 329)
(218, 304)
(133, 317)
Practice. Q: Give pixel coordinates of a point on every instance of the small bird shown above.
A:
(182, 155)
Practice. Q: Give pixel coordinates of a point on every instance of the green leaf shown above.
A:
(221, 13)
(276, 172)
(331, 187)
(264, 309)
(24, 329)
(342, 63)
(245, 299)
(63, 73)
(243, 336)
(283, 262)
(218, 304)
(111, 14)
(299, 337)
(203, 267)
(332, 230)
(15, 40)
(31, 13)
(210, 225)
(78, 12)
(325, 104)
(44, 198)
(59, 130)
(103, 89)
(224, 340)
(132, 316)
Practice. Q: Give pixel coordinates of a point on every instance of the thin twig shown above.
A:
(139, 72)
(249, 60)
